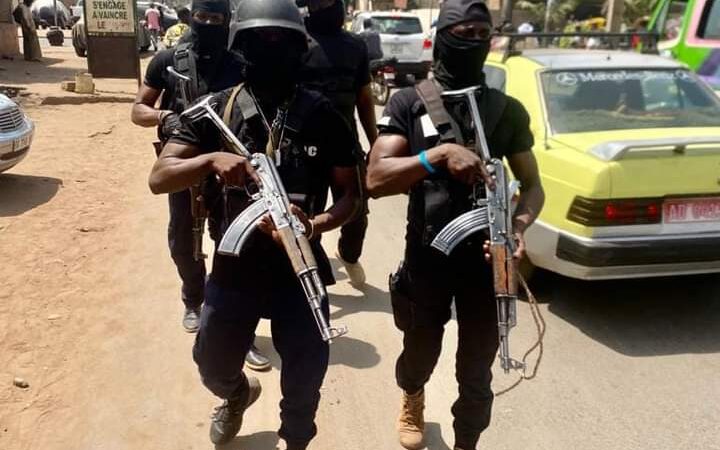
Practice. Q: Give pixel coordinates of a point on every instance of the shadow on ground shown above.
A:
(644, 317)
(433, 437)
(368, 299)
(264, 440)
(19, 71)
(344, 351)
(21, 193)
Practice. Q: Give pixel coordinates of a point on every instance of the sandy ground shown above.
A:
(90, 317)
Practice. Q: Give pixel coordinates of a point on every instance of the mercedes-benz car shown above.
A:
(16, 133)
(628, 146)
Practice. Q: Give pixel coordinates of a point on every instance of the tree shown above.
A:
(560, 10)
(635, 9)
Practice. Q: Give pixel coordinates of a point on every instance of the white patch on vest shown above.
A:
(311, 151)
(428, 128)
(384, 121)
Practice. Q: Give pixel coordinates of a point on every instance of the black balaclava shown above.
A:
(327, 20)
(273, 67)
(457, 62)
(210, 40)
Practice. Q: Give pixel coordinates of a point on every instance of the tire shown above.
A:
(380, 90)
(81, 52)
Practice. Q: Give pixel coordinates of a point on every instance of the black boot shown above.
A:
(256, 360)
(228, 417)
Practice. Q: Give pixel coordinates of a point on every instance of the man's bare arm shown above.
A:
(366, 113)
(392, 170)
(532, 198)
(143, 112)
(345, 184)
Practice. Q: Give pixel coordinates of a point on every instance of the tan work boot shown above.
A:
(411, 423)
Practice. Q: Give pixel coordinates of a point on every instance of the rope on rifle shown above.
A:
(540, 326)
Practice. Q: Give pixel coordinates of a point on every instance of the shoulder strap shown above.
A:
(244, 102)
(184, 62)
(429, 93)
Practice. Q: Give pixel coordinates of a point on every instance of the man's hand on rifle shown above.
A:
(267, 226)
(233, 170)
(465, 165)
(519, 248)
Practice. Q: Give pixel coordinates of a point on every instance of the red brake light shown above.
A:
(605, 212)
(427, 44)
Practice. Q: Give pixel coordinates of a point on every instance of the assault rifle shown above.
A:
(494, 211)
(270, 198)
(197, 202)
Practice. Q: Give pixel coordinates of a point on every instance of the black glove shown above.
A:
(169, 125)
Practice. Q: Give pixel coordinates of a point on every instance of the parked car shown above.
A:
(16, 133)
(628, 147)
(401, 37)
(79, 38)
(690, 32)
(43, 12)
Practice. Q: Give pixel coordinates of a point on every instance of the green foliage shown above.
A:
(635, 9)
(559, 11)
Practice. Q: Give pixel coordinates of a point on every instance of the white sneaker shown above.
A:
(355, 271)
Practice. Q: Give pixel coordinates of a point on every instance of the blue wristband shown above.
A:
(422, 156)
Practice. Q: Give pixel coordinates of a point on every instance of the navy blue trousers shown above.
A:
(227, 330)
(180, 240)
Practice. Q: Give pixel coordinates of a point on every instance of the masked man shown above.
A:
(313, 149)
(413, 155)
(337, 65)
(203, 57)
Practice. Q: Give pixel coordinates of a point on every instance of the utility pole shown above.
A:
(507, 9)
(615, 13)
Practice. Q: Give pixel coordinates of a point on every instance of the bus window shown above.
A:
(710, 22)
(669, 23)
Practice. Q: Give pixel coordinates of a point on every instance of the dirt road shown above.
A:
(90, 317)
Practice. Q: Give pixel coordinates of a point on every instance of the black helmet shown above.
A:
(251, 14)
(268, 13)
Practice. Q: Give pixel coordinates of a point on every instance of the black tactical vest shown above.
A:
(439, 198)
(296, 169)
(334, 77)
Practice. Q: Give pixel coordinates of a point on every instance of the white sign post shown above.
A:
(110, 16)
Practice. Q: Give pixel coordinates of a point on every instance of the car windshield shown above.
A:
(598, 100)
(396, 25)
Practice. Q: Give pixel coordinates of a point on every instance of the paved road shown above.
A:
(90, 317)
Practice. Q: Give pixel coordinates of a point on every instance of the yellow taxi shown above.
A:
(628, 146)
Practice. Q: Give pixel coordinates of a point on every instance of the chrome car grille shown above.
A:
(11, 119)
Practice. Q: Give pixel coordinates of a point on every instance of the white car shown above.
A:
(401, 37)
(16, 133)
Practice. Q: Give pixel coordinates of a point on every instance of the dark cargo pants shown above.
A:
(180, 241)
(352, 234)
(227, 330)
(422, 293)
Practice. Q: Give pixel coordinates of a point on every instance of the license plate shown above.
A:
(19, 144)
(692, 210)
(389, 75)
(396, 49)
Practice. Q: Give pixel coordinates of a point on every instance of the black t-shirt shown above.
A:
(406, 115)
(227, 73)
(321, 141)
(337, 65)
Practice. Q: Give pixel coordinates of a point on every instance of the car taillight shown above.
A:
(427, 44)
(612, 212)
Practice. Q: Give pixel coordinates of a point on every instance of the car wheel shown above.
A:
(144, 48)
(81, 52)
